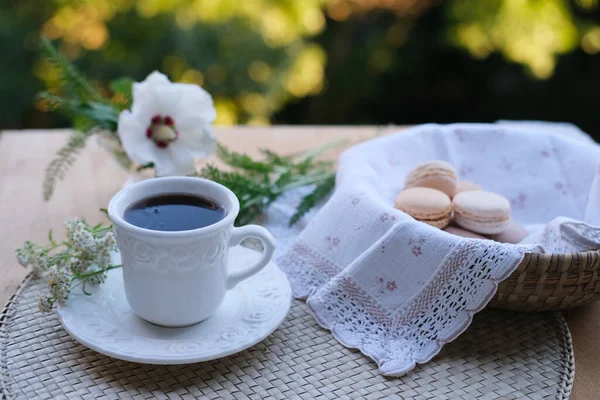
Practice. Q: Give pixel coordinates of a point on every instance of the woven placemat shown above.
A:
(503, 355)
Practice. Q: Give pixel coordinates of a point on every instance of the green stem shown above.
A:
(304, 182)
(73, 287)
(87, 276)
(62, 256)
(110, 267)
(299, 183)
(55, 246)
(254, 201)
(100, 231)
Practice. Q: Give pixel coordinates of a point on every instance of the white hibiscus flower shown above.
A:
(169, 124)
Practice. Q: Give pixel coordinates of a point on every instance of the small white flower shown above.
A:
(45, 304)
(78, 234)
(72, 225)
(169, 124)
(22, 257)
(38, 262)
(58, 283)
(99, 277)
(25, 254)
(99, 258)
(107, 242)
(76, 265)
(83, 239)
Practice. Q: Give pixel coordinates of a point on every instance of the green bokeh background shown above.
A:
(320, 61)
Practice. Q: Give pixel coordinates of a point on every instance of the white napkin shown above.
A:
(398, 289)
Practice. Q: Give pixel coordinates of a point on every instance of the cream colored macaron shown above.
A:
(481, 212)
(438, 175)
(465, 186)
(514, 233)
(426, 205)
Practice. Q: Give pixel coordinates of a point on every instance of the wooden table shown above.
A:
(96, 177)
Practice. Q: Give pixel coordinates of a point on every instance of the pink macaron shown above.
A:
(436, 174)
(514, 233)
(465, 186)
(481, 212)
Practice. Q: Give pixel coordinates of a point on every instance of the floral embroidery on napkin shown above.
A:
(416, 246)
(519, 201)
(332, 242)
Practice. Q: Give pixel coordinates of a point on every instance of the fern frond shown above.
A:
(252, 191)
(85, 115)
(65, 157)
(122, 93)
(258, 183)
(273, 158)
(242, 161)
(53, 102)
(101, 114)
(321, 191)
(71, 79)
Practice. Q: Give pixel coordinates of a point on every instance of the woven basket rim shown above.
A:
(4, 315)
(550, 255)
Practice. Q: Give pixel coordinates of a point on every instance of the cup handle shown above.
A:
(268, 242)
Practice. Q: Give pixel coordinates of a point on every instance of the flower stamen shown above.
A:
(162, 131)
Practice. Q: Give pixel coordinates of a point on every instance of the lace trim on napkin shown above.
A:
(463, 285)
(306, 270)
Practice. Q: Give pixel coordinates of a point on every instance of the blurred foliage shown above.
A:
(533, 33)
(319, 61)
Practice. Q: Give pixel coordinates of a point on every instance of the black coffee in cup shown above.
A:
(174, 212)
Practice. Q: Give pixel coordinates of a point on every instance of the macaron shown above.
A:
(465, 186)
(463, 232)
(426, 205)
(514, 233)
(481, 212)
(438, 175)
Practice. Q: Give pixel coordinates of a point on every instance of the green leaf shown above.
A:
(274, 158)
(321, 191)
(104, 115)
(73, 82)
(145, 166)
(84, 115)
(124, 87)
(54, 102)
(250, 189)
(123, 159)
(242, 161)
(82, 123)
(104, 211)
(257, 184)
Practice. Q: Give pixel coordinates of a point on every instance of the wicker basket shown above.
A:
(544, 282)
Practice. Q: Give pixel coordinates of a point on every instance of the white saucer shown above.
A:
(250, 312)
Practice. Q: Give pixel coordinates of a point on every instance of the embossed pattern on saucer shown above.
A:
(250, 312)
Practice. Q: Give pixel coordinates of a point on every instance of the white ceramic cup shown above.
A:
(180, 278)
